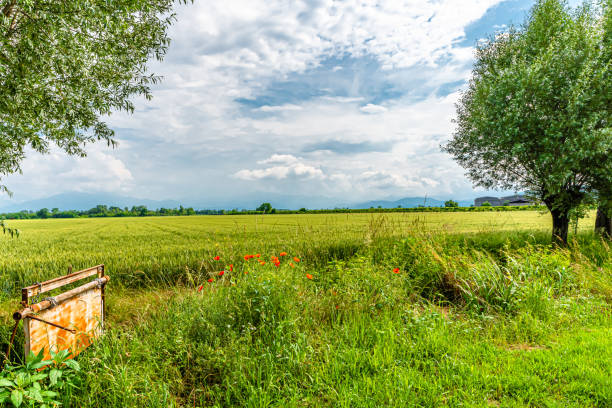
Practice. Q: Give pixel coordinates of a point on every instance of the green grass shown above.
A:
(484, 311)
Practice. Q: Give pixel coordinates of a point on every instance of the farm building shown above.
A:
(513, 200)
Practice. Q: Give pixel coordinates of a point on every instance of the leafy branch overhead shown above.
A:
(64, 65)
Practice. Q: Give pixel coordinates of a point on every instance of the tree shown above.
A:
(451, 204)
(601, 175)
(485, 204)
(265, 207)
(536, 114)
(603, 219)
(64, 64)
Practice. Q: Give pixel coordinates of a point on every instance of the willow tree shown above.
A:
(66, 64)
(602, 173)
(536, 114)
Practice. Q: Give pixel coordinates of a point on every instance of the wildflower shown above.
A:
(296, 259)
(211, 280)
(221, 273)
(200, 288)
(216, 258)
(262, 262)
(257, 255)
(231, 267)
(396, 270)
(277, 264)
(309, 276)
(283, 254)
(291, 264)
(247, 257)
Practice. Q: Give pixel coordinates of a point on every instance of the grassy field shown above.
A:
(482, 311)
(158, 249)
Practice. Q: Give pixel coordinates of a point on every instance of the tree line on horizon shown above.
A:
(101, 211)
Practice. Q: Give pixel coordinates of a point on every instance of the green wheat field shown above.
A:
(399, 309)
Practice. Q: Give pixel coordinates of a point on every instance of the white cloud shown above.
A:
(293, 168)
(343, 99)
(100, 171)
(279, 159)
(279, 108)
(371, 108)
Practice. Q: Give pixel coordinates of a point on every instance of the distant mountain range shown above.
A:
(410, 202)
(85, 201)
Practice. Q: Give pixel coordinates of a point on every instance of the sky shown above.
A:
(345, 101)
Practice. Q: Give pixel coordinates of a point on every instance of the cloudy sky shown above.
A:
(347, 100)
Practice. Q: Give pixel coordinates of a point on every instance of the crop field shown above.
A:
(348, 310)
(158, 249)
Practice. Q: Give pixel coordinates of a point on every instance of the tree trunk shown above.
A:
(603, 222)
(561, 221)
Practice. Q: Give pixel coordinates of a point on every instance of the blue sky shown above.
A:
(347, 101)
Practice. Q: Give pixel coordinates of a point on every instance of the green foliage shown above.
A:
(63, 65)
(451, 203)
(265, 208)
(536, 115)
(486, 204)
(39, 383)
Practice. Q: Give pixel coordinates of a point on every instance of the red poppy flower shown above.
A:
(200, 288)
(247, 257)
(262, 263)
(231, 268)
(309, 276)
(211, 280)
(257, 255)
(296, 259)
(216, 258)
(291, 264)
(396, 270)
(221, 273)
(283, 254)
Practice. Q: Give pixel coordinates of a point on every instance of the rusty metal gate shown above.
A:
(67, 321)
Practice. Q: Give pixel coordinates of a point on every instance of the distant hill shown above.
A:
(409, 202)
(85, 201)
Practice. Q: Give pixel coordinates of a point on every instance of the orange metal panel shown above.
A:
(83, 313)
